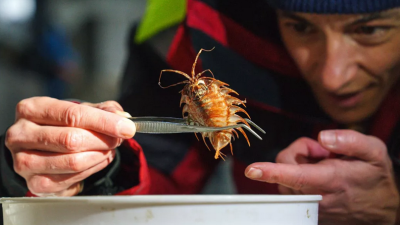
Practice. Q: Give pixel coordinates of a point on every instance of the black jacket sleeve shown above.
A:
(12, 185)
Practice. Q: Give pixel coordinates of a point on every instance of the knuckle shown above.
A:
(43, 137)
(274, 177)
(116, 142)
(112, 103)
(352, 138)
(380, 155)
(302, 139)
(338, 182)
(73, 163)
(22, 162)
(281, 156)
(40, 184)
(300, 142)
(108, 103)
(73, 115)
(11, 137)
(299, 183)
(71, 140)
(352, 142)
(107, 123)
(24, 106)
(380, 151)
(16, 134)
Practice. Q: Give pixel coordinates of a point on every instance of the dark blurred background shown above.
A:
(63, 49)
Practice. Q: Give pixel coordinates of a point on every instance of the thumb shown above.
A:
(353, 144)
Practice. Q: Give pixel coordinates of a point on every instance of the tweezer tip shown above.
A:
(255, 125)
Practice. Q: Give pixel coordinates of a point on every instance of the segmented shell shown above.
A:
(207, 102)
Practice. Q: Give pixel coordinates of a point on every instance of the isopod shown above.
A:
(208, 102)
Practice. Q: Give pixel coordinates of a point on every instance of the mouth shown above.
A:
(346, 100)
(349, 99)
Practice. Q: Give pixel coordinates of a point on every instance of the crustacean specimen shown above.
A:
(208, 103)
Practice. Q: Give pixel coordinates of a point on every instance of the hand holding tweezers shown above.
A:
(169, 125)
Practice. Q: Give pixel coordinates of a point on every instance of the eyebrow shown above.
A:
(374, 16)
(295, 17)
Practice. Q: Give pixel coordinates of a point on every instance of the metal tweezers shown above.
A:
(170, 125)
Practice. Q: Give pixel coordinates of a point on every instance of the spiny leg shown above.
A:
(204, 139)
(195, 134)
(230, 144)
(234, 101)
(195, 61)
(234, 109)
(174, 71)
(244, 134)
(207, 70)
(226, 91)
(234, 131)
(218, 153)
(182, 82)
(237, 119)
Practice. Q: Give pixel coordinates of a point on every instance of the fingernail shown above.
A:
(126, 128)
(111, 156)
(254, 173)
(328, 139)
(120, 140)
(124, 114)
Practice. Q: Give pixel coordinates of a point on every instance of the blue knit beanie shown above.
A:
(335, 6)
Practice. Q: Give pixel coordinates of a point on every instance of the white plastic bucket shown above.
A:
(163, 209)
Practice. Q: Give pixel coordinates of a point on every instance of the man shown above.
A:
(330, 116)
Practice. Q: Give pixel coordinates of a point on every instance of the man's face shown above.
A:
(350, 61)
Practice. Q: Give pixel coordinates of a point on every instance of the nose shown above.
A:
(338, 65)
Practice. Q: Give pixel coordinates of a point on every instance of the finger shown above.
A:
(292, 176)
(49, 111)
(105, 105)
(70, 191)
(303, 150)
(27, 135)
(31, 162)
(353, 144)
(109, 106)
(51, 183)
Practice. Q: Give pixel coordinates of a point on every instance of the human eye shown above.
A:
(299, 27)
(372, 34)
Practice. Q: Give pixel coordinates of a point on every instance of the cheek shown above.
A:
(384, 63)
(302, 57)
(300, 53)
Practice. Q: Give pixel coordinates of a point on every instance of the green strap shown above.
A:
(159, 15)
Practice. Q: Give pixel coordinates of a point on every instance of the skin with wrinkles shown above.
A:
(56, 144)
